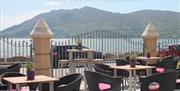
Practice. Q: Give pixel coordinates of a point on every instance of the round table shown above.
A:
(148, 59)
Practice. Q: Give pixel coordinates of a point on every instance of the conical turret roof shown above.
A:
(41, 29)
(150, 31)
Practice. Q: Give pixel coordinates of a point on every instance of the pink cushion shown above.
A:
(177, 80)
(104, 86)
(160, 70)
(22, 89)
(154, 87)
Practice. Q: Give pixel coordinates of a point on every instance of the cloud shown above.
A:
(53, 3)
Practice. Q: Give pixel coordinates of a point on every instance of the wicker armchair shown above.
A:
(93, 80)
(67, 83)
(12, 68)
(166, 81)
(168, 63)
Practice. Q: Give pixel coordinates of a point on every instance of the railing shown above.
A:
(15, 51)
(107, 45)
(167, 47)
(10, 47)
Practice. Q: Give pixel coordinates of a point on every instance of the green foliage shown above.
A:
(66, 23)
(78, 41)
(132, 56)
(178, 64)
(29, 65)
(146, 50)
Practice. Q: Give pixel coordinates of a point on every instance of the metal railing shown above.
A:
(15, 50)
(107, 45)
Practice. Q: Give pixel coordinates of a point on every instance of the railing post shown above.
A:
(41, 35)
(150, 36)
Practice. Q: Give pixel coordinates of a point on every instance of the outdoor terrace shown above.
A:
(82, 53)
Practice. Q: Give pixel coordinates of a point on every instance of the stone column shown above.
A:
(150, 36)
(41, 35)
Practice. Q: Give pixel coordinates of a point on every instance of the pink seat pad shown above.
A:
(160, 69)
(104, 86)
(178, 81)
(154, 87)
(22, 89)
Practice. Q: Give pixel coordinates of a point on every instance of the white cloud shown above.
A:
(53, 3)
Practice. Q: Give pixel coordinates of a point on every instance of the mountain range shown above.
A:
(66, 23)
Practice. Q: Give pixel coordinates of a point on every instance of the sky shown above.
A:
(13, 12)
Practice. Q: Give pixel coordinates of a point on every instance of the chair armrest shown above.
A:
(62, 85)
(2, 70)
(113, 78)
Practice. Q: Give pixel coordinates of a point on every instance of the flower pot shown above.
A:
(30, 74)
(148, 54)
(132, 63)
(79, 46)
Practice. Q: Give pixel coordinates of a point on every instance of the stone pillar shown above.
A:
(150, 36)
(41, 35)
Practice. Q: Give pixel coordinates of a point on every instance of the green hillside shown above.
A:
(65, 23)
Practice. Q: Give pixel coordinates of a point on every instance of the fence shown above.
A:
(15, 50)
(167, 47)
(106, 43)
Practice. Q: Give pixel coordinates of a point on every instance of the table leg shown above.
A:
(17, 87)
(149, 72)
(147, 62)
(61, 75)
(40, 86)
(10, 86)
(115, 72)
(89, 56)
(87, 66)
(72, 67)
(130, 82)
(135, 79)
(51, 87)
(90, 66)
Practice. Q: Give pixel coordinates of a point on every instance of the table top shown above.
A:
(117, 58)
(138, 67)
(23, 79)
(81, 60)
(82, 50)
(151, 58)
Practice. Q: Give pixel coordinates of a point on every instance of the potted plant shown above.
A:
(30, 70)
(79, 43)
(132, 59)
(147, 52)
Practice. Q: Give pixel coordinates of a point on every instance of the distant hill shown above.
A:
(65, 23)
